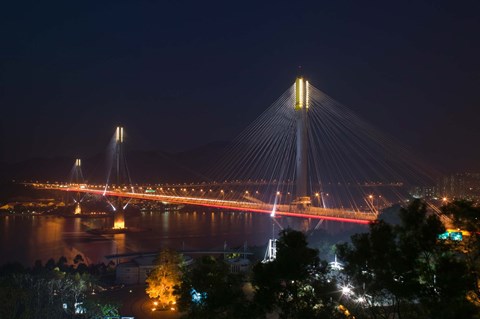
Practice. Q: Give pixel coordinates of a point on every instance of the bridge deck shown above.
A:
(281, 210)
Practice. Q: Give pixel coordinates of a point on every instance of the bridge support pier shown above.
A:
(119, 215)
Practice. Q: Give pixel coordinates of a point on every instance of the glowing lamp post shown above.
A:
(372, 206)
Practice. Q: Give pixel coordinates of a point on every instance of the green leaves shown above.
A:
(221, 291)
(406, 269)
(41, 293)
(295, 283)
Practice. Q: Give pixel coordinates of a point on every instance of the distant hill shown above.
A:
(144, 166)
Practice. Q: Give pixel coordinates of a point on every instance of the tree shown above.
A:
(371, 263)
(164, 277)
(465, 216)
(42, 292)
(405, 270)
(96, 310)
(209, 290)
(14, 297)
(295, 284)
(78, 259)
(62, 263)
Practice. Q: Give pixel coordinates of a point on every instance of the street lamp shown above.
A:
(346, 290)
(361, 299)
(372, 207)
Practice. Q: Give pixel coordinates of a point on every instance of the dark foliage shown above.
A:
(406, 271)
(43, 291)
(219, 292)
(295, 284)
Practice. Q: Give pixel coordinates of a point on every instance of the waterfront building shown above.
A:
(460, 186)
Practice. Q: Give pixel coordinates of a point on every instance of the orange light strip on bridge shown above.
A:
(338, 219)
(214, 203)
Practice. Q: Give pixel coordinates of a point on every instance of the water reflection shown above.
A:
(52, 237)
(120, 243)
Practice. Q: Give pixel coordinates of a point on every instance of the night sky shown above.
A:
(181, 74)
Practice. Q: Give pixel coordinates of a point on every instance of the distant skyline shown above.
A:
(181, 74)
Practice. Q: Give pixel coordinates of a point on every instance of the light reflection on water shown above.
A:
(28, 238)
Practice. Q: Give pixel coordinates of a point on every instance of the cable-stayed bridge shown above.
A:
(340, 215)
(306, 156)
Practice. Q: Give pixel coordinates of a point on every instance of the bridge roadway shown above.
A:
(339, 215)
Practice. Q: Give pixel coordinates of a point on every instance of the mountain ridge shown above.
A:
(145, 166)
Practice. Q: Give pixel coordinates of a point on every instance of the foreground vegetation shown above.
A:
(407, 271)
(393, 271)
(54, 290)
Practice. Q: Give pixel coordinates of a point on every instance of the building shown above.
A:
(426, 192)
(239, 265)
(460, 186)
(136, 270)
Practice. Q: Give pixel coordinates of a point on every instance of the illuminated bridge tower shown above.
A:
(77, 176)
(301, 110)
(121, 177)
(77, 179)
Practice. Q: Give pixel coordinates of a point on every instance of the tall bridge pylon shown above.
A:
(301, 112)
(76, 177)
(118, 177)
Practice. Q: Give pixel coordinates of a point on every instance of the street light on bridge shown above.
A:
(371, 199)
(317, 196)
